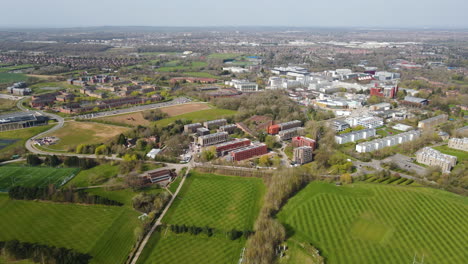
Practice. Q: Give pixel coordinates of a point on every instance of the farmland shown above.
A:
(18, 139)
(136, 118)
(373, 223)
(105, 232)
(33, 176)
(222, 202)
(198, 116)
(75, 133)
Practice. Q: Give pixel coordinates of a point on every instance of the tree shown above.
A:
(209, 154)
(52, 161)
(264, 161)
(346, 178)
(271, 142)
(101, 150)
(33, 160)
(121, 140)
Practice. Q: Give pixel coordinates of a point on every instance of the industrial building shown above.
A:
(432, 122)
(290, 133)
(223, 148)
(432, 157)
(458, 143)
(215, 123)
(192, 128)
(248, 152)
(387, 141)
(303, 155)
(212, 139)
(303, 141)
(355, 136)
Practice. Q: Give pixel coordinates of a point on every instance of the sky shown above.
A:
(199, 13)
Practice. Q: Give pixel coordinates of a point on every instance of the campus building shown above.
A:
(303, 141)
(162, 177)
(340, 125)
(21, 120)
(192, 128)
(290, 133)
(303, 155)
(458, 143)
(365, 121)
(412, 101)
(274, 129)
(432, 122)
(355, 136)
(249, 152)
(243, 85)
(387, 141)
(223, 148)
(215, 123)
(387, 91)
(202, 131)
(212, 139)
(227, 128)
(432, 157)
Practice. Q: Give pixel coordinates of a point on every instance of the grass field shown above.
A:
(6, 77)
(47, 87)
(224, 56)
(20, 136)
(4, 260)
(105, 232)
(460, 154)
(222, 202)
(184, 248)
(7, 106)
(373, 223)
(94, 176)
(198, 116)
(33, 176)
(74, 133)
(136, 118)
(201, 75)
(175, 66)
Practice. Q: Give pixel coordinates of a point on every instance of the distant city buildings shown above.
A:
(340, 125)
(274, 129)
(458, 143)
(387, 141)
(291, 71)
(432, 157)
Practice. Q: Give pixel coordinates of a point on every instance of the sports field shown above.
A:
(198, 116)
(221, 202)
(136, 118)
(33, 176)
(74, 133)
(185, 248)
(373, 223)
(105, 232)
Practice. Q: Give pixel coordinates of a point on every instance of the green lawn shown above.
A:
(374, 223)
(7, 106)
(105, 232)
(6, 77)
(221, 202)
(4, 260)
(199, 116)
(175, 184)
(173, 248)
(33, 176)
(460, 154)
(224, 56)
(43, 86)
(20, 135)
(17, 67)
(94, 176)
(201, 75)
(177, 66)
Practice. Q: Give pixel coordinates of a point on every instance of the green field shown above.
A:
(199, 116)
(6, 77)
(177, 66)
(224, 56)
(460, 154)
(222, 202)
(105, 232)
(21, 136)
(201, 75)
(94, 176)
(14, 68)
(33, 176)
(373, 223)
(43, 87)
(184, 248)
(7, 106)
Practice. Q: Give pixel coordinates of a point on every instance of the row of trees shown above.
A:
(44, 254)
(232, 234)
(149, 202)
(54, 161)
(50, 193)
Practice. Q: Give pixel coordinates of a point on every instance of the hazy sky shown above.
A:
(313, 13)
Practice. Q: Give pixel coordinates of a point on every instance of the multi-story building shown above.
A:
(290, 133)
(340, 125)
(387, 91)
(162, 177)
(291, 71)
(223, 148)
(458, 143)
(355, 136)
(249, 152)
(414, 101)
(432, 122)
(303, 155)
(243, 85)
(365, 121)
(227, 128)
(274, 129)
(19, 88)
(303, 141)
(432, 157)
(212, 139)
(202, 131)
(387, 141)
(215, 123)
(191, 128)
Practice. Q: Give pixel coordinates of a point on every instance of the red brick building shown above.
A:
(303, 141)
(249, 152)
(388, 92)
(222, 148)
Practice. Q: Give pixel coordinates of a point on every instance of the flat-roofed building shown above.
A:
(248, 152)
(303, 141)
(290, 124)
(213, 139)
(387, 141)
(414, 101)
(227, 128)
(162, 177)
(355, 136)
(191, 128)
(365, 121)
(432, 157)
(215, 123)
(290, 133)
(458, 143)
(303, 155)
(202, 131)
(432, 122)
(340, 125)
(223, 148)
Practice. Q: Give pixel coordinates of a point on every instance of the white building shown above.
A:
(402, 127)
(236, 69)
(355, 136)
(290, 71)
(432, 157)
(365, 121)
(243, 85)
(386, 76)
(153, 153)
(387, 141)
(458, 143)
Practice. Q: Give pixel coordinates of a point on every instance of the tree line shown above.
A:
(54, 161)
(232, 234)
(50, 193)
(43, 254)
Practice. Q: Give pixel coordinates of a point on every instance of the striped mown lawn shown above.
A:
(33, 176)
(374, 223)
(221, 202)
(105, 232)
